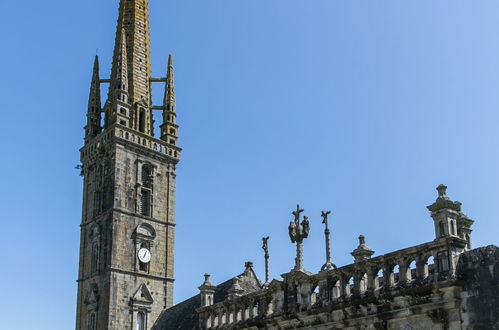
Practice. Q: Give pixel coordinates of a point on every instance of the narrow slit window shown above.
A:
(145, 203)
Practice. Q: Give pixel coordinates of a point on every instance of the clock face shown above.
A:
(144, 255)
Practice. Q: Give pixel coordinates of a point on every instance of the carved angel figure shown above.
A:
(306, 227)
(292, 231)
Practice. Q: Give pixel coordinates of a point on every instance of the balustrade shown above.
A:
(371, 276)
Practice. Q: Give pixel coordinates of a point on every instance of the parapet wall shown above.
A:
(459, 290)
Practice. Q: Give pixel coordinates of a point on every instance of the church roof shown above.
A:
(183, 316)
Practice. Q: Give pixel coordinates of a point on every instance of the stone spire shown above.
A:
(169, 128)
(133, 31)
(119, 79)
(118, 108)
(169, 99)
(94, 105)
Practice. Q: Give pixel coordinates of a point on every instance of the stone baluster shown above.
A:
(404, 272)
(372, 280)
(357, 278)
(336, 289)
(388, 276)
(216, 320)
(324, 292)
(251, 310)
(237, 313)
(421, 268)
(345, 287)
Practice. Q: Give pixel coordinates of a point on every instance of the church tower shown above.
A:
(125, 275)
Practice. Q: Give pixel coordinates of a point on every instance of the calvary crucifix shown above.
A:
(297, 233)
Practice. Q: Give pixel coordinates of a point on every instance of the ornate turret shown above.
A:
(448, 218)
(169, 128)
(207, 291)
(94, 105)
(118, 110)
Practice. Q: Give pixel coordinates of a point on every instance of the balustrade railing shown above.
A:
(132, 136)
(414, 266)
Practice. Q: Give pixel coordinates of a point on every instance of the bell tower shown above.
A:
(126, 273)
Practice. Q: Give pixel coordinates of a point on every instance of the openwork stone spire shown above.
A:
(133, 31)
(134, 21)
(117, 106)
(169, 128)
(119, 79)
(94, 105)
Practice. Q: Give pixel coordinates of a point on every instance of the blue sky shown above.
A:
(361, 107)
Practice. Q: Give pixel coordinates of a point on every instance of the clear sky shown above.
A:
(362, 107)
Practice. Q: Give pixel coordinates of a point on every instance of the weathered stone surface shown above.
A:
(465, 300)
(129, 189)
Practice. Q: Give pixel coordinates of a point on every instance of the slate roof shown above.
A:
(183, 316)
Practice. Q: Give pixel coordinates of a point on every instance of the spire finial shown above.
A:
(119, 80)
(362, 240)
(207, 279)
(362, 252)
(169, 129)
(169, 99)
(118, 105)
(94, 104)
(442, 190)
(265, 248)
(443, 201)
(325, 220)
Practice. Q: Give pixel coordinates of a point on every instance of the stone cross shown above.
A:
(297, 233)
(328, 265)
(265, 248)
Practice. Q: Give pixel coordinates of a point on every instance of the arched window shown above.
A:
(95, 257)
(147, 176)
(141, 321)
(92, 321)
(145, 203)
(142, 121)
(441, 228)
(146, 192)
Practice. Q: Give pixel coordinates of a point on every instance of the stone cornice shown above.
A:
(110, 211)
(126, 272)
